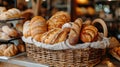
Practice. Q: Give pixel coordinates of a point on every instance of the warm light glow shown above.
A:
(82, 1)
(27, 0)
(109, 0)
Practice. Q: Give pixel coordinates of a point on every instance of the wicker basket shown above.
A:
(84, 57)
(87, 57)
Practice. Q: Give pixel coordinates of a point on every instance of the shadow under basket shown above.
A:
(87, 57)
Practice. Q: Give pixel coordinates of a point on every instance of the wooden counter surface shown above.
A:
(23, 61)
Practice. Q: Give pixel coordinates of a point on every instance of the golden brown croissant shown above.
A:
(3, 47)
(11, 50)
(75, 32)
(38, 26)
(10, 31)
(58, 19)
(11, 13)
(54, 36)
(88, 33)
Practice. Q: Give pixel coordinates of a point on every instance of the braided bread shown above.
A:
(58, 19)
(37, 27)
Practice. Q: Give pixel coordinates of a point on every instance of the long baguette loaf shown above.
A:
(75, 32)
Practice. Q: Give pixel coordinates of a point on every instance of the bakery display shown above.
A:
(58, 19)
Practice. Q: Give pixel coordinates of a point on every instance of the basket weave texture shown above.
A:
(86, 57)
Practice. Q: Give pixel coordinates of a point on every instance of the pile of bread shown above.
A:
(11, 49)
(58, 28)
(10, 13)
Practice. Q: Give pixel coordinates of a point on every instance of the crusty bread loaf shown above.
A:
(75, 31)
(58, 19)
(10, 31)
(38, 26)
(26, 29)
(11, 13)
(88, 33)
(53, 36)
(11, 50)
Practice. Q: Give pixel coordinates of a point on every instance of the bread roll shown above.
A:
(11, 51)
(53, 36)
(11, 13)
(26, 29)
(4, 36)
(19, 27)
(88, 33)
(75, 32)
(3, 47)
(58, 19)
(38, 26)
(10, 31)
(2, 9)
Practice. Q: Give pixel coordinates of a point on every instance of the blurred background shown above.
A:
(108, 10)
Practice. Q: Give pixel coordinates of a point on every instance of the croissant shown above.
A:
(11, 51)
(10, 31)
(3, 47)
(88, 33)
(26, 29)
(11, 13)
(21, 47)
(54, 36)
(58, 19)
(37, 27)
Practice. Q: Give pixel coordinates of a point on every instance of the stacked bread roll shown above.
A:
(11, 13)
(2, 9)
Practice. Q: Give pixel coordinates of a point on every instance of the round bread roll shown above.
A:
(53, 36)
(88, 33)
(38, 26)
(58, 19)
(2, 9)
(10, 31)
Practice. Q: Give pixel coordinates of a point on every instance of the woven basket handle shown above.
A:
(105, 30)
